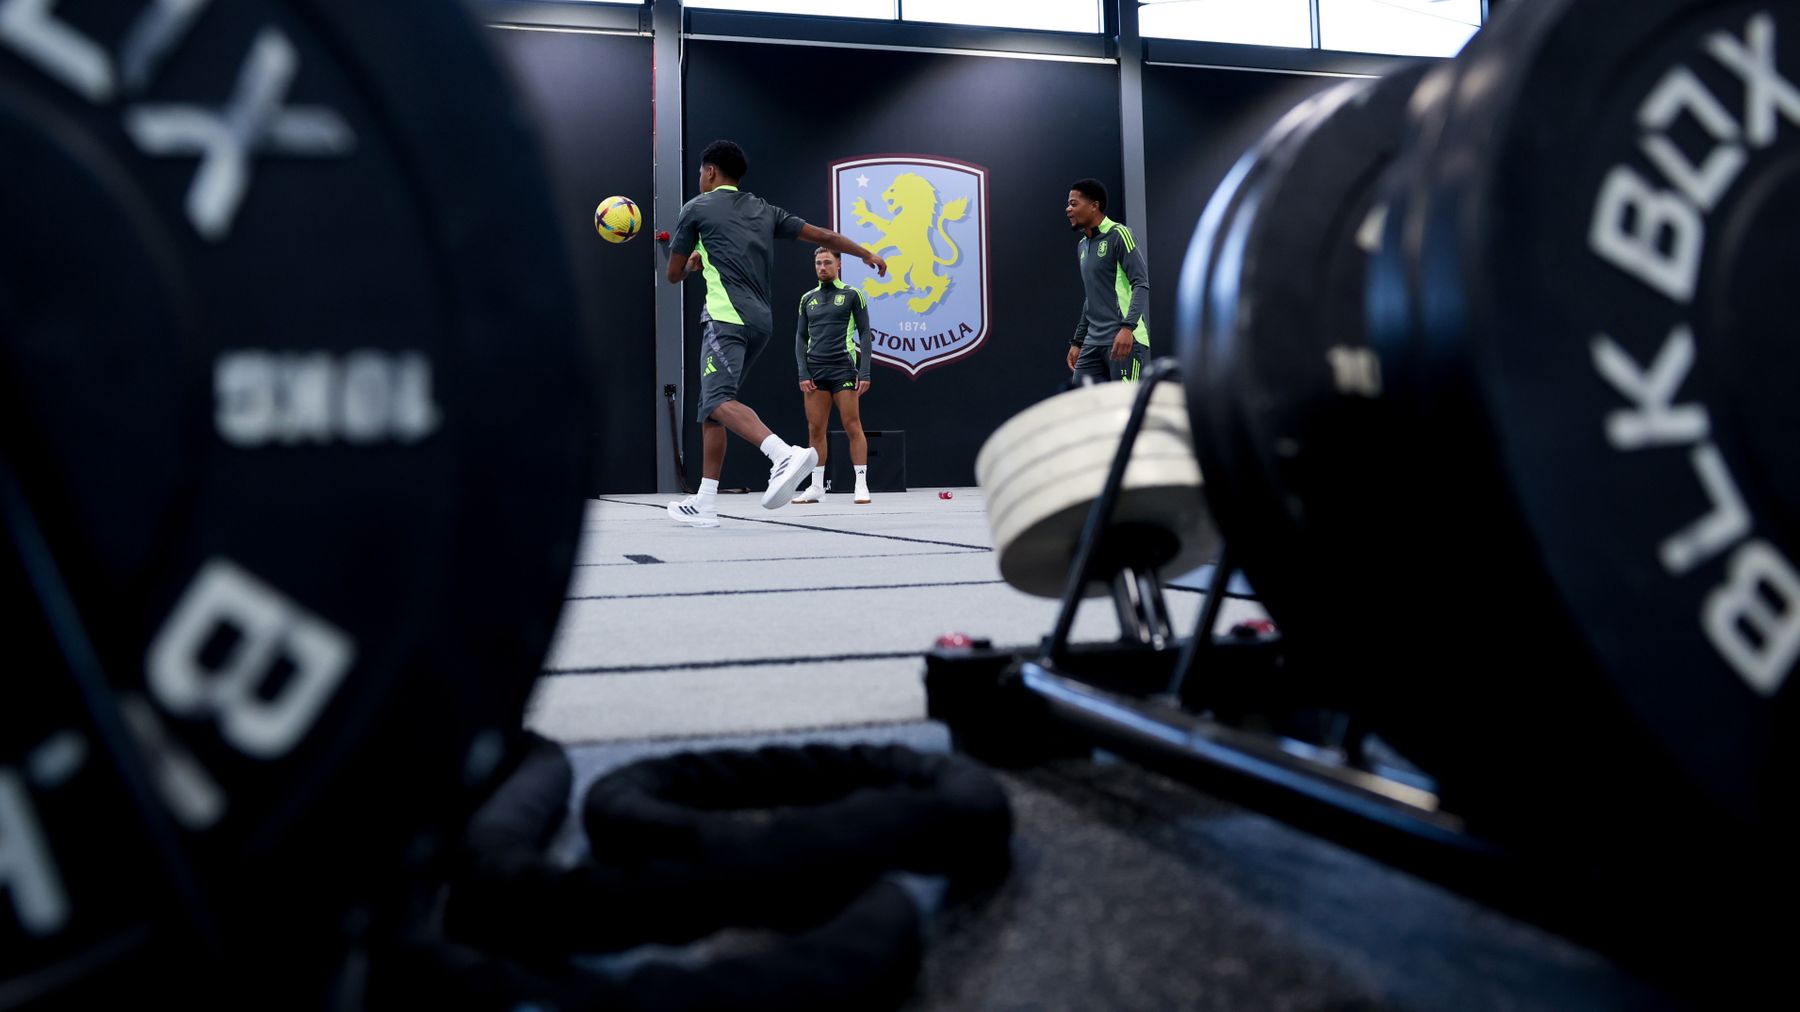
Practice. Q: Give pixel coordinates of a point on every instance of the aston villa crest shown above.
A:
(927, 216)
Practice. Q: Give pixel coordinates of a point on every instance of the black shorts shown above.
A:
(1096, 360)
(831, 379)
(727, 351)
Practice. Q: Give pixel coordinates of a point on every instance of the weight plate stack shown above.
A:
(1044, 468)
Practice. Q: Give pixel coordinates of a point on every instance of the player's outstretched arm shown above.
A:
(681, 266)
(843, 244)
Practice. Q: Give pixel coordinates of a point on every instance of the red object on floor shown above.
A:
(943, 495)
(1252, 628)
(956, 641)
(662, 236)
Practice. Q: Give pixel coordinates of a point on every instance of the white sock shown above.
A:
(819, 478)
(862, 477)
(703, 500)
(775, 447)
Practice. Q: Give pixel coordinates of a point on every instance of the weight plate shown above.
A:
(1043, 469)
(1283, 387)
(1099, 410)
(1611, 215)
(291, 353)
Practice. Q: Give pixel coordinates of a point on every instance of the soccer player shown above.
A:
(727, 236)
(1112, 339)
(831, 347)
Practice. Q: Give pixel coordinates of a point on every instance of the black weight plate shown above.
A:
(1209, 304)
(310, 386)
(1657, 543)
(55, 773)
(1282, 371)
(1472, 670)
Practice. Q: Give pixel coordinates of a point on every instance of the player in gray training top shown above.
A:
(831, 347)
(1112, 340)
(728, 237)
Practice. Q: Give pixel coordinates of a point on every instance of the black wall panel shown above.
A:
(1197, 121)
(591, 97)
(1035, 125)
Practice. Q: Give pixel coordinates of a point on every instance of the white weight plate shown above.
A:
(1043, 469)
(1077, 415)
(1077, 475)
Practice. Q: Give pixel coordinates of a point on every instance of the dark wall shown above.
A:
(591, 96)
(1197, 121)
(1035, 125)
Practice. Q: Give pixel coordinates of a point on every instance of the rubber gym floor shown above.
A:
(1129, 891)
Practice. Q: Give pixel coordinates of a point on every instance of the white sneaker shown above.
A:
(814, 493)
(787, 474)
(862, 497)
(684, 511)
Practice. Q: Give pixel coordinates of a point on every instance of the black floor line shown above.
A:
(830, 511)
(763, 737)
(1202, 593)
(810, 527)
(786, 590)
(1237, 587)
(783, 558)
(747, 662)
(645, 560)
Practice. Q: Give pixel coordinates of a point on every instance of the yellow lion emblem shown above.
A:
(912, 266)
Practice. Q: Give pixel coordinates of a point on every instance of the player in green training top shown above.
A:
(1112, 339)
(728, 236)
(831, 348)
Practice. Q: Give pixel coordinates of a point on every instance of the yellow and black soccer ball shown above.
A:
(618, 219)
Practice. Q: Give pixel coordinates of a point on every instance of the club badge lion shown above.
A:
(912, 203)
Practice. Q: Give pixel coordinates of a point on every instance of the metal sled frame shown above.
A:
(1154, 699)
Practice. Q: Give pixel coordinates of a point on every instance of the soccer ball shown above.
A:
(618, 219)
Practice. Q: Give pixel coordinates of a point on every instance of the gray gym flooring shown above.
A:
(1129, 892)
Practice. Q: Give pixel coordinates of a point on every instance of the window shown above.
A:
(1246, 22)
(1043, 15)
(1404, 27)
(834, 8)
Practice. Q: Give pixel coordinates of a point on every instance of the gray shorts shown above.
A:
(726, 354)
(1096, 360)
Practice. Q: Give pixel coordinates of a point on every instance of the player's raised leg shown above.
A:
(789, 465)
